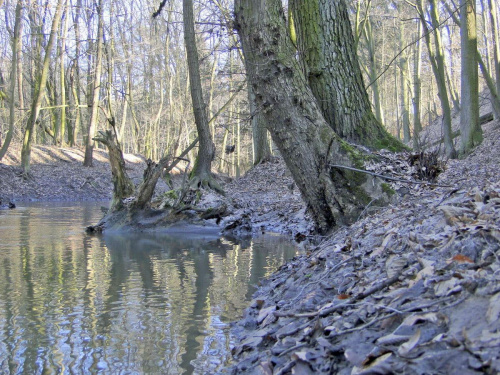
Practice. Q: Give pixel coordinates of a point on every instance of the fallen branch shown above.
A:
(387, 177)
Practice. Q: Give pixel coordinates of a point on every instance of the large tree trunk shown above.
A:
(470, 130)
(306, 141)
(328, 57)
(201, 173)
(261, 146)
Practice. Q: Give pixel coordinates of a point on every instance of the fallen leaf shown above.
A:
(382, 365)
(493, 313)
(392, 339)
(407, 347)
(304, 355)
(394, 265)
(266, 368)
(429, 317)
(264, 313)
(490, 338)
(448, 287)
(302, 368)
(459, 258)
(354, 357)
(343, 296)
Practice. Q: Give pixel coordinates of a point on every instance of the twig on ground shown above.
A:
(387, 177)
(298, 346)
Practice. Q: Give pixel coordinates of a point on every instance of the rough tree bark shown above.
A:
(470, 130)
(123, 186)
(306, 141)
(261, 147)
(328, 58)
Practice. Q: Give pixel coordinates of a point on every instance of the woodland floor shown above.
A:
(411, 288)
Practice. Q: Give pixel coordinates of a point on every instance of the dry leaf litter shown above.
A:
(412, 289)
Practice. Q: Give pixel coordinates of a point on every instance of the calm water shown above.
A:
(119, 304)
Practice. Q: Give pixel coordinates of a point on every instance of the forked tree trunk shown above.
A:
(306, 141)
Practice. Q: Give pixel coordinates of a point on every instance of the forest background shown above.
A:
(103, 61)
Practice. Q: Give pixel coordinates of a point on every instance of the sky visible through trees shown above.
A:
(144, 85)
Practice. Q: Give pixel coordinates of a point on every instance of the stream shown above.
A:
(120, 303)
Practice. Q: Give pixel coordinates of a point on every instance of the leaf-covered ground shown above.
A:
(412, 288)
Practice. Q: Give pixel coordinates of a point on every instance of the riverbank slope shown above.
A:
(411, 288)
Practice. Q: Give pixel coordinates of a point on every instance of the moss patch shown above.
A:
(389, 143)
(386, 188)
(357, 158)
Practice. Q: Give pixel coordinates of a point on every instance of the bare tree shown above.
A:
(16, 46)
(89, 146)
(201, 174)
(39, 90)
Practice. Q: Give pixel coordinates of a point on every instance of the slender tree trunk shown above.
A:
(89, 146)
(470, 130)
(377, 102)
(437, 63)
(417, 90)
(493, 8)
(16, 46)
(62, 118)
(396, 100)
(331, 67)
(403, 69)
(19, 59)
(486, 33)
(39, 92)
(201, 173)
(306, 141)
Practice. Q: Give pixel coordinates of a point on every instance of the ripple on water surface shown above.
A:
(131, 303)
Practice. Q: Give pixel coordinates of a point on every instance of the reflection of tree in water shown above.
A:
(141, 303)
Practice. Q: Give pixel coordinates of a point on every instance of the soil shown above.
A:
(411, 288)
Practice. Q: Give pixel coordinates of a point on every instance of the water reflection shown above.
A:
(142, 303)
